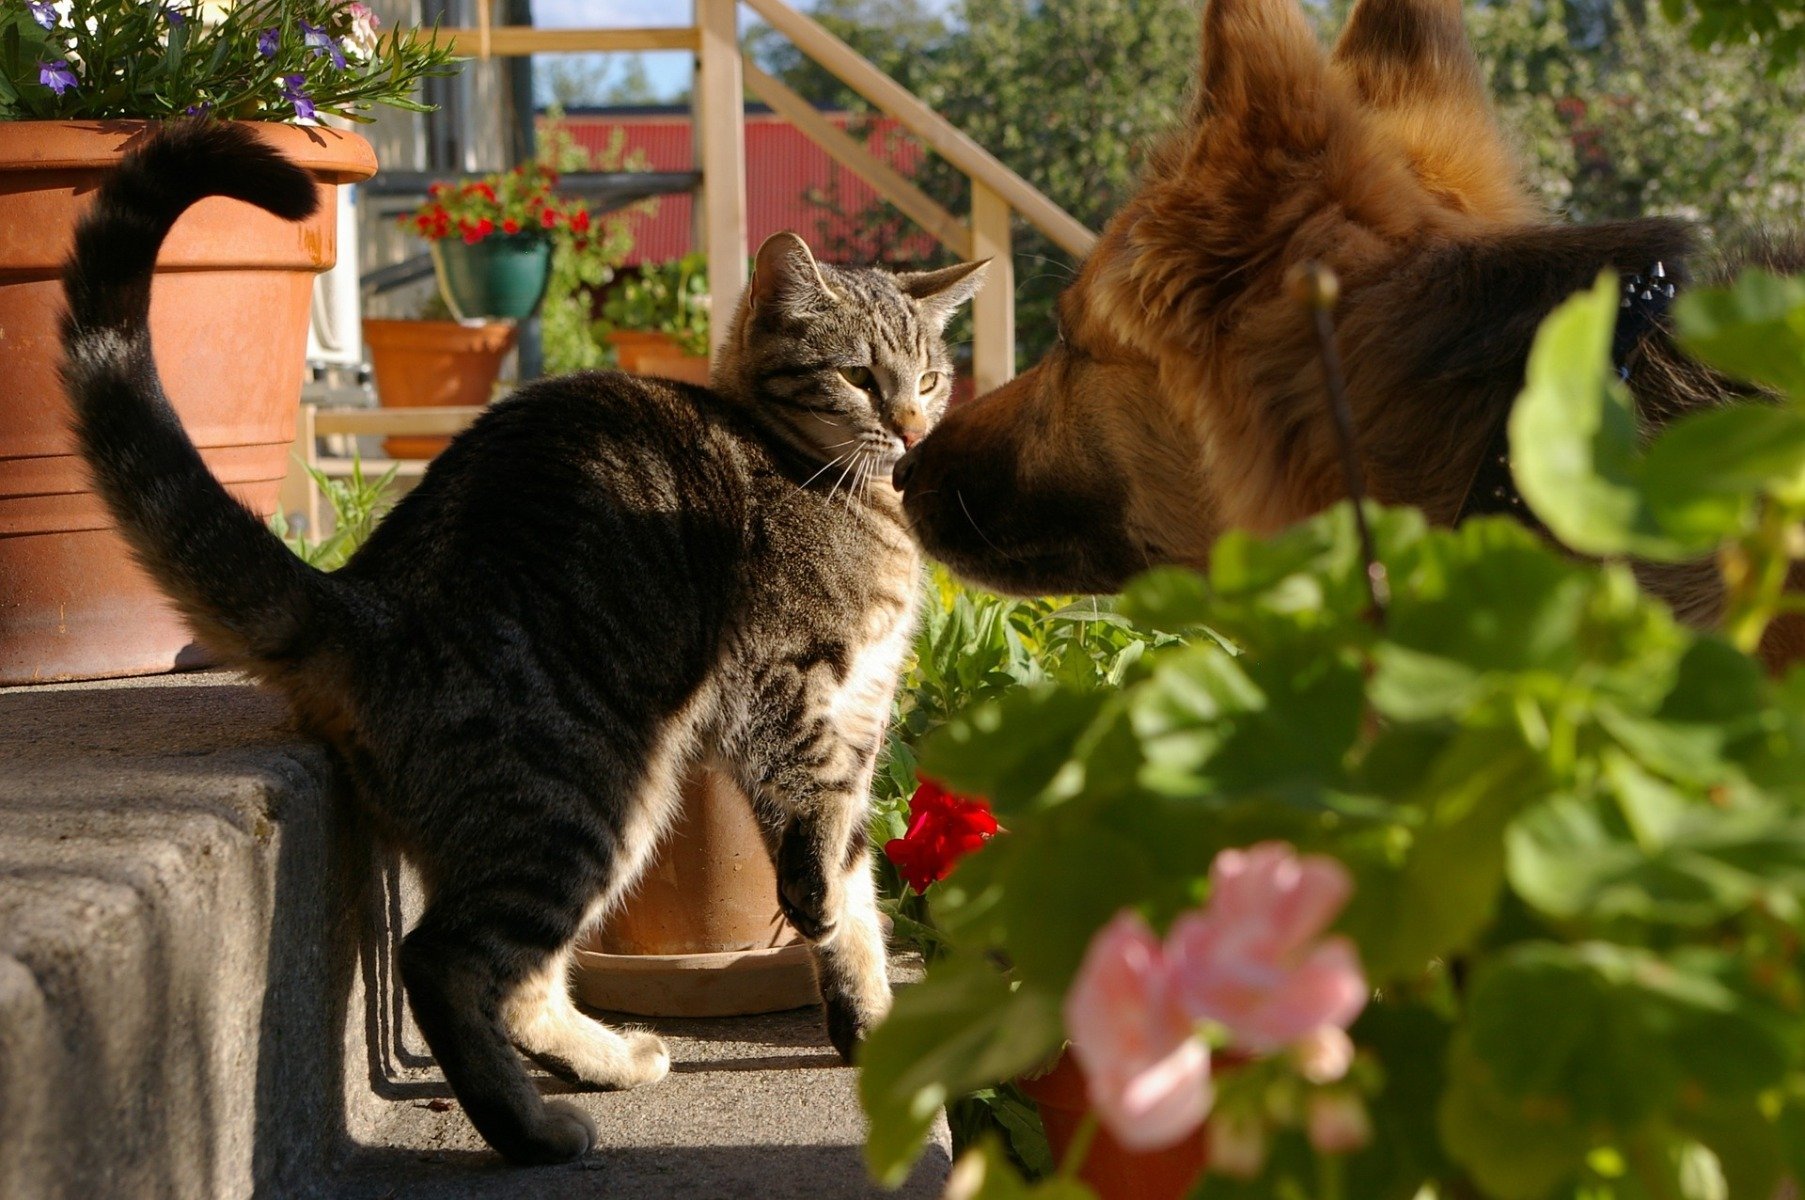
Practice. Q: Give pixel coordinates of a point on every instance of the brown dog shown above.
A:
(1184, 395)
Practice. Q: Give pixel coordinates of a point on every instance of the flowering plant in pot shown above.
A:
(499, 244)
(492, 238)
(657, 319)
(1493, 887)
(81, 83)
(259, 60)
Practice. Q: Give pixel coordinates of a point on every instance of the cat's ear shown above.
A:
(785, 274)
(940, 293)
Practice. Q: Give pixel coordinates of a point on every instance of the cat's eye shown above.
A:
(929, 382)
(860, 377)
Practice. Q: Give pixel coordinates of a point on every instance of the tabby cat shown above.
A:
(604, 581)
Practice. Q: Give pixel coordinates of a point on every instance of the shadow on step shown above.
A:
(639, 1173)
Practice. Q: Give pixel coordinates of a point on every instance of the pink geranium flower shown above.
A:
(1254, 959)
(1149, 1077)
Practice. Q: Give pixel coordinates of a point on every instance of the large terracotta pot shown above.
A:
(701, 936)
(1114, 1173)
(228, 320)
(644, 352)
(427, 364)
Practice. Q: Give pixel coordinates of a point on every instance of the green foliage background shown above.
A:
(1615, 113)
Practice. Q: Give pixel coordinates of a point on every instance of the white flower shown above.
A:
(360, 43)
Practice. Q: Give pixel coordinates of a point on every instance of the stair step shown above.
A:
(197, 1000)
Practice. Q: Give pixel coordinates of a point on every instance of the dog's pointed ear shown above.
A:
(1409, 64)
(1410, 51)
(940, 293)
(1260, 61)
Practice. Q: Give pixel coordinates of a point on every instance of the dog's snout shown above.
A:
(905, 467)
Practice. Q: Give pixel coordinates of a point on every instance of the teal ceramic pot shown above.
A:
(500, 276)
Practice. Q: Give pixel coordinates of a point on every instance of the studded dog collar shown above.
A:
(1493, 491)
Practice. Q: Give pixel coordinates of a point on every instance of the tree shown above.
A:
(1067, 93)
(1619, 117)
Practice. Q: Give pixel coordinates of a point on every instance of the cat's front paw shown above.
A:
(803, 892)
(804, 904)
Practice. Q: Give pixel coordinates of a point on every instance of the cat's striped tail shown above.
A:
(243, 591)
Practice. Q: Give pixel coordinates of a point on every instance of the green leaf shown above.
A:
(1015, 749)
(1573, 438)
(962, 1028)
(1432, 897)
(1486, 600)
(1753, 330)
(1063, 880)
(1609, 1035)
(1706, 473)
(1515, 1149)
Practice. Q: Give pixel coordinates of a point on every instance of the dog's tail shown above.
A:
(240, 588)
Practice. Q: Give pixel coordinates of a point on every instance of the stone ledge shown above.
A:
(196, 966)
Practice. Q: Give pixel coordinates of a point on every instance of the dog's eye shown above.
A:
(859, 377)
(929, 382)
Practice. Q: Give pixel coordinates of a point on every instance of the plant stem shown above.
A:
(1080, 1148)
(1757, 568)
(1317, 288)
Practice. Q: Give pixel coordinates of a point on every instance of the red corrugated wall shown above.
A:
(783, 169)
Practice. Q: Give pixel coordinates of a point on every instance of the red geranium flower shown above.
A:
(943, 828)
(510, 225)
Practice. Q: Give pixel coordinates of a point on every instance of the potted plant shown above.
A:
(493, 242)
(1488, 883)
(80, 83)
(657, 319)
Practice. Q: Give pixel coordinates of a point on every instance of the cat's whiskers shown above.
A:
(826, 467)
(854, 456)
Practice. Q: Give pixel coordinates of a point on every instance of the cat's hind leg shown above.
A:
(476, 946)
(545, 1023)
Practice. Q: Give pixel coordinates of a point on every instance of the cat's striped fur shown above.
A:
(604, 581)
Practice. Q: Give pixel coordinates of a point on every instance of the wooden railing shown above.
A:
(723, 76)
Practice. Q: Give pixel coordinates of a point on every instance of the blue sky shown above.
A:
(669, 73)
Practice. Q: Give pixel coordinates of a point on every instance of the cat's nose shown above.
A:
(905, 467)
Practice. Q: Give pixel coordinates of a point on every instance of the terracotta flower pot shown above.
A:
(425, 364)
(1113, 1172)
(228, 320)
(701, 936)
(644, 352)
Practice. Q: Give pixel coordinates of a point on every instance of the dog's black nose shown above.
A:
(905, 467)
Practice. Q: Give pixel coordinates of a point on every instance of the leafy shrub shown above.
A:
(1576, 827)
(571, 335)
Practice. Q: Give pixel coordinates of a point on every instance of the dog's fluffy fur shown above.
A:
(1184, 395)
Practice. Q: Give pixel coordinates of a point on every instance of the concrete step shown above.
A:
(197, 991)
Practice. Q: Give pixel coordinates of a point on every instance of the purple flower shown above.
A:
(204, 108)
(57, 76)
(291, 92)
(321, 42)
(43, 12)
(266, 42)
(175, 17)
